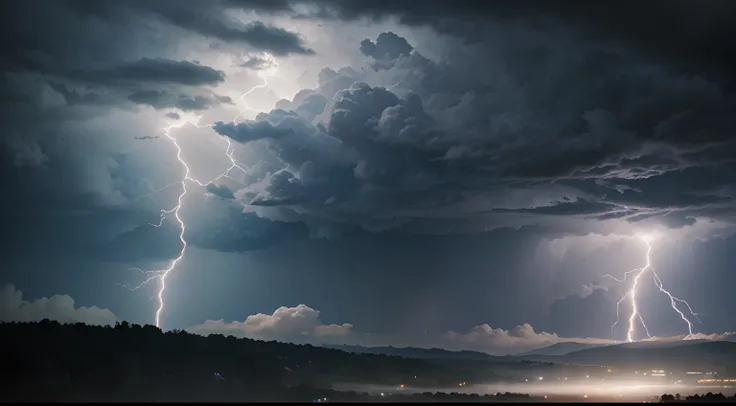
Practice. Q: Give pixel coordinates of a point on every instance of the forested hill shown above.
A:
(53, 361)
(423, 353)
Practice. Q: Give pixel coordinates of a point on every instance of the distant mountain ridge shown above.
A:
(560, 349)
(414, 352)
(666, 353)
(669, 354)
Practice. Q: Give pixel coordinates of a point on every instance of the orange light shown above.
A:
(716, 380)
(402, 385)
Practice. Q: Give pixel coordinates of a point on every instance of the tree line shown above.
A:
(47, 361)
(708, 397)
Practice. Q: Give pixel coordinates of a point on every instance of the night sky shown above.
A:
(436, 173)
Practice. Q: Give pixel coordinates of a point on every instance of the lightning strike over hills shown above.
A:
(162, 274)
(635, 314)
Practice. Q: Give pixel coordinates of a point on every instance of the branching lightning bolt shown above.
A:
(161, 274)
(632, 296)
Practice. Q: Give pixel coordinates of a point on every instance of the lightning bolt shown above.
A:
(162, 274)
(246, 94)
(635, 314)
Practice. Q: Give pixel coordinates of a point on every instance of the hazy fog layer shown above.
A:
(621, 389)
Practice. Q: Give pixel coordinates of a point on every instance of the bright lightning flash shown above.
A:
(635, 314)
(234, 164)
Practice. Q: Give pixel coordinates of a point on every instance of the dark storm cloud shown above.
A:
(159, 99)
(209, 20)
(217, 225)
(253, 233)
(699, 36)
(64, 70)
(580, 206)
(221, 191)
(107, 86)
(107, 66)
(454, 142)
(307, 103)
(246, 131)
(257, 63)
(157, 70)
(388, 46)
(448, 142)
(671, 220)
(519, 131)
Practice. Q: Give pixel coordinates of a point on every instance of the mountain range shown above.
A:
(666, 353)
(560, 349)
(698, 354)
(421, 353)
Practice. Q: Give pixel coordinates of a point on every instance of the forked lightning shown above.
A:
(635, 315)
(234, 164)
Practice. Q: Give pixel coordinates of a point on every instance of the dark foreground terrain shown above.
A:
(706, 398)
(76, 362)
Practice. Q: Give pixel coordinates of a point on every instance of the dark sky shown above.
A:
(439, 173)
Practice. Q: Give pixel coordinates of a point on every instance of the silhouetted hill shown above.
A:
(560, 349)
(698, 354)
(709, 397)
(421, 353)
(52, 361)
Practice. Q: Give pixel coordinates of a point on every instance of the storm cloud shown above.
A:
(410, 158)
(452, 148)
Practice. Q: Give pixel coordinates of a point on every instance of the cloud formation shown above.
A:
(298, 324)
(448, 150)
(60, 308)
(698, 37)
(302, 324)
(555, 122)
(518, 339)
(211, 21)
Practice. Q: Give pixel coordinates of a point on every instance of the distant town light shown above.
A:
(717, 381)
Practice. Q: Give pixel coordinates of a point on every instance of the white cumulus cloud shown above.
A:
(58, 307)
(485, 338)
(301, 324)
(298, 324)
